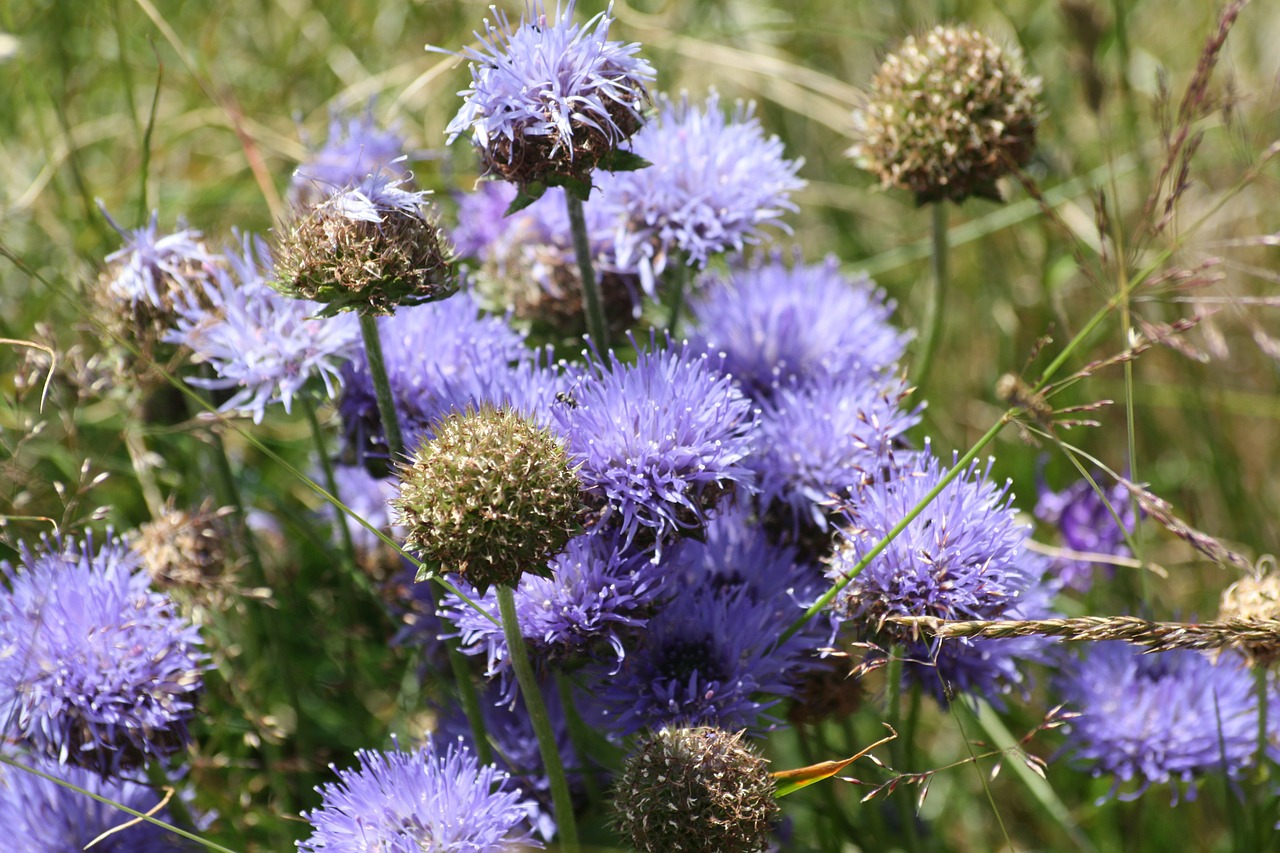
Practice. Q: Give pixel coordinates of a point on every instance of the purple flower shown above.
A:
(263, 345)
(1159, 717)
(425, 801)
(824, 439)
(1087, 526)
(597, 594)
(482, 219)
(707, 657)
(99, 670)
(963, 557)
(356, 148)
(150, 267)
(660, 440)
(780, 324)
(550, 98)
(714, 182)
(442, 357)
(366, 497)
(40, 816)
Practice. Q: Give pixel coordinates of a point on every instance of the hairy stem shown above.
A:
(382, 387)
(591, 302)
(934, 308)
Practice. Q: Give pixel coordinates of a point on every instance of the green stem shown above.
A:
(591, 303)
(351, 562)
(898, 748)
(566, 825)
(679, 283)
(934, 308)
(395, 449)
(382, 388)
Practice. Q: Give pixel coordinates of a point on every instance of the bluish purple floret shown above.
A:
(40, 816)
(782, 324)
(550, 97)
(1087, 526)
(482, 220)
(263, 346)
(958, 559)
(659, 441)
(356, 148)
(99, 670)
(442, 357)
(435, 799)
(715, 183)
(598, 594)
(989, 668)
(819, 441)
(147, 266)
(707, 656)
(1167, 717)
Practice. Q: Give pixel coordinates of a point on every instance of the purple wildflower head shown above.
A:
(368, 247)
(152, 268)
(1168, 717)
(261, 344)
(528, 263)
(984, 667)
(1087, 526)
(441, 358)
(780, 324)
(431, 800)
(40, 816)
(145, 281)
(356, 148)
(820, 441)
(958, 559)
(549, 99)
(100, 671)
(714, 182)
(596, 595)
(659, 441)
(707, 656)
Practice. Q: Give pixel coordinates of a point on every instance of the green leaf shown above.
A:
(576, 187)
(620, 160)
(525, 196)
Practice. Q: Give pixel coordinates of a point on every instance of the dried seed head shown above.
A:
(947, 114)
(1254, 597)
(369, 249)
(491, 497)
(697, 790)
(184, 550)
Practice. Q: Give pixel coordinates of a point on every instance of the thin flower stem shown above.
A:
(350, 563)
(679, 284)
(596, 326)
(566, 826)
(897, 748)
(935, 307)
(382, 387)
(395, 449)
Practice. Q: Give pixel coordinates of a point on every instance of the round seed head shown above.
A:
(1254, 598)
(491, 497)
(369, 248)
(697, 790)
(947, 114)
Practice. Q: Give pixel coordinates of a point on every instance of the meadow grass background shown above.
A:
(202, 110)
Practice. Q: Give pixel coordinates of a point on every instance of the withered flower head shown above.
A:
(947, 114)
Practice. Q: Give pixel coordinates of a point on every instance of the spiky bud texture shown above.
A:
(1254, 597)
(695, 790)
(947, 114)
(369, 248)
(491, 497)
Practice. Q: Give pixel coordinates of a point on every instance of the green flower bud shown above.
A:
(491, 497)
(696, 790)
(946, 116)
